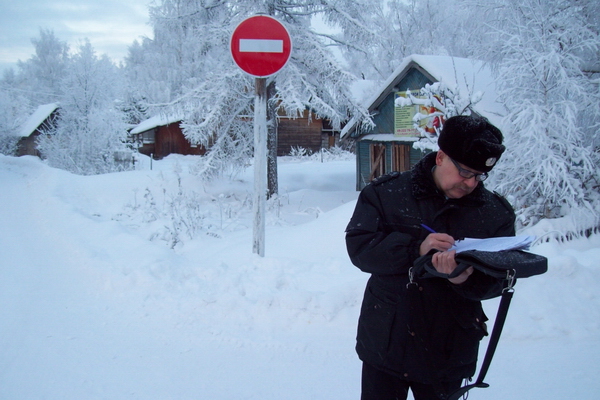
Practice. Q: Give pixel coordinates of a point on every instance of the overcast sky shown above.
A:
(110, 25)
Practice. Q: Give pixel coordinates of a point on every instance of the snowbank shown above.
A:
(108, 291)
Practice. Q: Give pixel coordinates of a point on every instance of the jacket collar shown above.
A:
(423, 185)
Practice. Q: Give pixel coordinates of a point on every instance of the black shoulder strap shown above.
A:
(491, 349)
(508, 265)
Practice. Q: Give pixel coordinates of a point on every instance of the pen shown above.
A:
(428, 228)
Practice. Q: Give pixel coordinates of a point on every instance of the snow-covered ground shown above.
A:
(143, 285)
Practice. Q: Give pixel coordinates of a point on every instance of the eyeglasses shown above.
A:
(465, 173)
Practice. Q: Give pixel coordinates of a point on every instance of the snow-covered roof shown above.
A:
(470, 76)
(157, 120)
(36, 119)
(362, 89)
(389, 137)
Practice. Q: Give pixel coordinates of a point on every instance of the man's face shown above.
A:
(448, 179)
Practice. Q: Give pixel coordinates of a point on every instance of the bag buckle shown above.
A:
(411, 277)
(510, 279)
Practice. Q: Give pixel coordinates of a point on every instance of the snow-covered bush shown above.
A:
(444, 102)
(8, 145)
(333, 154)
(299, 152)
(177, 214)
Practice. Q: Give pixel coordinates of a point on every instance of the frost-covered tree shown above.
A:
(550, 169)
(217, 97)
(90, 129)
(399, 28)
(35, 81)
(44, 71)
(14, 108)
(134, 107)
(185, 36)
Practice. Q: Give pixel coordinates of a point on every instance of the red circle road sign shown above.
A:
(260, 45)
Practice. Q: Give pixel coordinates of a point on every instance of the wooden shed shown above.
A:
(386, 147)
(162, 135)
(42, 121)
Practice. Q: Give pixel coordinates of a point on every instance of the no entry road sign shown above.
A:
(261, 46)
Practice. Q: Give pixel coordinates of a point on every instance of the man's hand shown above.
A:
(445, 263)
(437, 241)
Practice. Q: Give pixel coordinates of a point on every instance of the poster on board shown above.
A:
(414, 117)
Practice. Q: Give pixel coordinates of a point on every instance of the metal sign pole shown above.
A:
(260, 165)
(260, 46)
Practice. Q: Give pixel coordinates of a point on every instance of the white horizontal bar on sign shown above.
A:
(261, 46)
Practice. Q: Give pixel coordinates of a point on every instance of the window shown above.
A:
(377, 152)
(401, 157)
(148, 137)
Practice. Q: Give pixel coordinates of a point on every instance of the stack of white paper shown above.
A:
(521, 242)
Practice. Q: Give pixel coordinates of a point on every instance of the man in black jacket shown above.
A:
(424, 336)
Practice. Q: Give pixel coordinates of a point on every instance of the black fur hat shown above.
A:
(471, 141)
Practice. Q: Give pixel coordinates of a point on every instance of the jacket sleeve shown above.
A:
(507, 228)
(371, 246)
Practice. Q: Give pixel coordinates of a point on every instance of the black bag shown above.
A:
(499, 264)
(508, 265)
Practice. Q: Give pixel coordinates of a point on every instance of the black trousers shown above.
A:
(379, 385)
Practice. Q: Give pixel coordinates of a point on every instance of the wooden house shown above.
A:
(162, 135)
(388, 146)
(314, 132)
(309, 132)
(43, 120)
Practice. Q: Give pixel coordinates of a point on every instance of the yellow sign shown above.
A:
(403, 118)
(427, 118)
